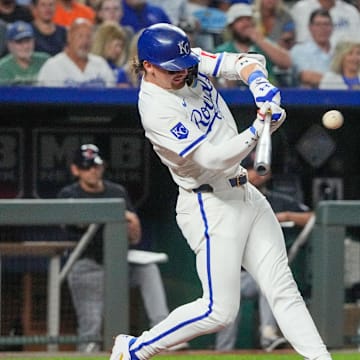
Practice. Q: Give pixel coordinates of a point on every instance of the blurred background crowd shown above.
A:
(87, 43)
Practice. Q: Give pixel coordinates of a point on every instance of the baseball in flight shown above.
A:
(333, 119)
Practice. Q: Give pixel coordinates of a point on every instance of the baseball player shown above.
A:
(226, 221)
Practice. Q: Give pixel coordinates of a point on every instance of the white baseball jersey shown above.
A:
(180, 120)
(61, 71)
(345, 17)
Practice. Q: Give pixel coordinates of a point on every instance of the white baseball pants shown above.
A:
(227, 229)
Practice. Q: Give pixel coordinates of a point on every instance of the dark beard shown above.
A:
(241, 39)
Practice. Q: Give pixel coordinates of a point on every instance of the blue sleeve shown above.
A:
(160, 14)
(121, 76)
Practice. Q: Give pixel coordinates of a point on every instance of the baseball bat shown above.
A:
(262, 163)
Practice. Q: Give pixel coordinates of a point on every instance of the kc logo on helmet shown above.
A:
(184, 47)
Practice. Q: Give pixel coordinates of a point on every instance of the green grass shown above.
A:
(265, 356)
(194, 356)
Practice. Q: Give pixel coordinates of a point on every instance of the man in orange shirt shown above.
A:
(68, 10)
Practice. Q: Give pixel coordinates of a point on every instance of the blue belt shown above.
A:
(234, 182)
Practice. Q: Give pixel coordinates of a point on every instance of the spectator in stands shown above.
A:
(3, 48)
(311, 59)
(22, 64)
(212, 22)
(287, 209)
(176, 10)
(86, 278)
(191, 26)
(344, 72)
(109, 10)
(67, 11)
(110, 42)
(245, 37)
(273, 19)
(75, 66)
(287, 38)
(93, 4)
(139, 14)
(345, 18)
(224, 5)
(49, 37)
(10, 12)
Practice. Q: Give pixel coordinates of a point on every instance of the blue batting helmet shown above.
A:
(166, 46)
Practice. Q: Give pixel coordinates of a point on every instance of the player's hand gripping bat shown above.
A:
(262, 163)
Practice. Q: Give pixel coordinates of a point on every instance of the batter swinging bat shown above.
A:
(262, 162)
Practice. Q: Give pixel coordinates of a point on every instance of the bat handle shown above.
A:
(262, 162)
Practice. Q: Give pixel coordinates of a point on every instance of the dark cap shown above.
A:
(19, 30)
(86, 156)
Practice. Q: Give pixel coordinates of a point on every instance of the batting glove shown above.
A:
(263, 91)
(276, 121)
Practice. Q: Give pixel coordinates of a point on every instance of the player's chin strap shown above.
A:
(192, 74)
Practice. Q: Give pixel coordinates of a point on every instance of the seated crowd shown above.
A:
(91, 43)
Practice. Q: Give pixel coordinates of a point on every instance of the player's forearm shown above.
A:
(311, 78)
(246, 71)
(275, 53)
(133, 227)
(227, 154)
(232, 151)
(299, 218)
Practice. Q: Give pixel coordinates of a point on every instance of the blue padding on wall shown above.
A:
(76, 96)
(72, 96)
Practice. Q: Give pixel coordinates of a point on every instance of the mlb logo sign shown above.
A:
(12, 163)
(125, 152)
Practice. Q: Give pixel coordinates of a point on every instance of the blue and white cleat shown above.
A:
(121, 348)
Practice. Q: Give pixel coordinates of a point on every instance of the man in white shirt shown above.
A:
(176, 10)
(75, 66)
(311, 59)
(345, 17)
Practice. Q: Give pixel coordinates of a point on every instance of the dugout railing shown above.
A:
(109, 212)
(327, 244)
